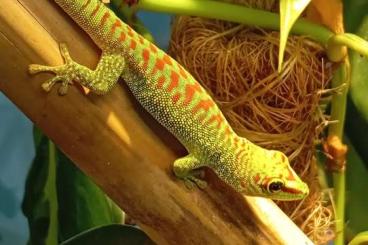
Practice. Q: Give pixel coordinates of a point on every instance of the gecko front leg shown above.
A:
(186, 169)
(100, 80)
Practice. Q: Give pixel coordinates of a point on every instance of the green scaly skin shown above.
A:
(177, 101)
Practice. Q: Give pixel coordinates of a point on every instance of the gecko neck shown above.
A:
(99, 22)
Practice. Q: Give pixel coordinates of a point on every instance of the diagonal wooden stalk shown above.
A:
(126, 152)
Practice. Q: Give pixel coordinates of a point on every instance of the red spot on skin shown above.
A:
(203, 104)
(175, 98)
(159, 64)
(86, 4)
(153, 48)
(116, 24)
(239, 154)
(291, 175)
(182, 72)
(96, 9)
(227, 130)
(236, 141)
(141, 39)
(133, 44)
(174, 81)
(190, 89)
(104, 18)
(160, 82)
(146, 56)
(216, 118)
(167, 59)
(130, 31)
(122, 37)
(256, 178)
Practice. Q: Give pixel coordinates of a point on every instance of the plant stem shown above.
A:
(338, 109)
(52, 233)
(236, 13)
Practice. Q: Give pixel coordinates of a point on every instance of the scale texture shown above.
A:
(167, 91)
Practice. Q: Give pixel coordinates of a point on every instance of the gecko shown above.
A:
(177, 101)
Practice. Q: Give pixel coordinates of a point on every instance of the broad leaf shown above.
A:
(290, 10)
(60, 201)
(356, 193)
(357, 113)
(40, 202)
(82, 204)
(111, 235)
(354, 12)
(360, 239)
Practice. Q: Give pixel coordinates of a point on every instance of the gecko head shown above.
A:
(271, 176)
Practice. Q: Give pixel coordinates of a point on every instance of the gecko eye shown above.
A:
(275, 186)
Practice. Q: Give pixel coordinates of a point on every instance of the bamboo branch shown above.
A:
(126, 152)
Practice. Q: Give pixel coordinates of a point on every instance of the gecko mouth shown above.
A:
(296, 191)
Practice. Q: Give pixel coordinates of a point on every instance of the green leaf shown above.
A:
(82, 204)
(356, 192)
(359, 75)
(39, 202)
(111, 235)
(357, 113)
(290, 10)
(60, 201)
(354, 12)
(360, 239)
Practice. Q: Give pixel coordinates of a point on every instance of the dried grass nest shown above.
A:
(238, 66)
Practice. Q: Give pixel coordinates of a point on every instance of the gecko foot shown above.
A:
(194, 179)
(63, 73)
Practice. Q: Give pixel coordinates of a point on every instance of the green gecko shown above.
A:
(167, 91)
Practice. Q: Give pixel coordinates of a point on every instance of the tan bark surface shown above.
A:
(121, 147)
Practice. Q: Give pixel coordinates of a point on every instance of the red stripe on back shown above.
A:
(116, 24)
(153, 48)
(182, 72)
(174, 82)
(160, 82)
(141, 39)
(190, 90)
(175, 98)
(122, 36)
(215, 118)
(167, 59)
(236, 141)
(146, 56)
(159, 64)
(96, 9)
(203, 104)
(104, 18)
(227, 130)
(133, 44)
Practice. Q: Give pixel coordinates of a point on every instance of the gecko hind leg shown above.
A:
(100, 80)
(185, 168)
